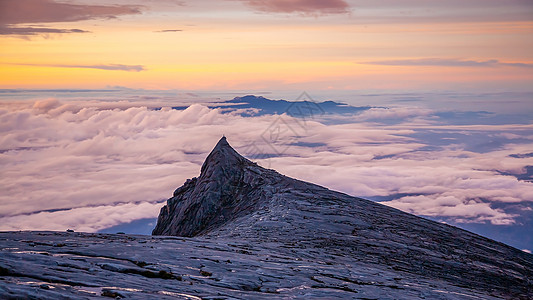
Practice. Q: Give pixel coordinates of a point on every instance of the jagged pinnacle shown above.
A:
(223, 142)
(223, 155)
(212, 199)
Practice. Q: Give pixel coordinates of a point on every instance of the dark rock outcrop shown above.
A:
(229, 186)
(235, 198)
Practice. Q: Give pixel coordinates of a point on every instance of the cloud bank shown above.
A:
(89, 165)
(48, 11)
(448, 63)
(306, 7)
(14, 12)
(108, 67)
(24, 31)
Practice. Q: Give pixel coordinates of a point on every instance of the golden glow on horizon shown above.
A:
(251, 75)
(252, 52)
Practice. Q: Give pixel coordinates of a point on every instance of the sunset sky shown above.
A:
(107, 106)
(274, 45)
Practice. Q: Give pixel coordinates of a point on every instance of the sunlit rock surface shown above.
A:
(252, 233)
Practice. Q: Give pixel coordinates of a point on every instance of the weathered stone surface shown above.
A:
(234, 198)
(261, 235)
(229, 186)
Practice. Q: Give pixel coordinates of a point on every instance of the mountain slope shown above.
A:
(233, 198)
(256, 234)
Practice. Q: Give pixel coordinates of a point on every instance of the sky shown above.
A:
(107, 106)
(269, 45)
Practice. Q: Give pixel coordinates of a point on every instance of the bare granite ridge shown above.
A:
(252, 233)
(224, 190)
(234, 198)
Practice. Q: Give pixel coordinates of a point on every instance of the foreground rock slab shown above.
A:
(56, 265)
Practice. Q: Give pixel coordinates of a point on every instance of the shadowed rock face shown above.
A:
(233, 198)
(229, 186)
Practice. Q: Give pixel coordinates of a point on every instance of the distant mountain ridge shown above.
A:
(267, 106)
(234, 198)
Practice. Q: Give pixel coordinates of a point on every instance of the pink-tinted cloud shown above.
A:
(438, 205)
(47, 11)
(28, 31)
(76, 156)
(448, 63)
(108, 67)
(13, 12)
(91, 217)
(308, 7)
(453, 11)
(169, 30)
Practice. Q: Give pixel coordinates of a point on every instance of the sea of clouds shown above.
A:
(91, 165)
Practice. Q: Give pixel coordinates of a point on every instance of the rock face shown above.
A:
(229, 186)
(252, 233)
(233, 198)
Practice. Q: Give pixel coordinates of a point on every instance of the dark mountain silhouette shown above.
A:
(264, 106)
(251, 105)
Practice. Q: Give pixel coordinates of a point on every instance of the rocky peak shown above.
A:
(221, 193)
(235, 200)
(222, 159)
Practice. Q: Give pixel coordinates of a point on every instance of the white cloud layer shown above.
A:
(89, 166)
